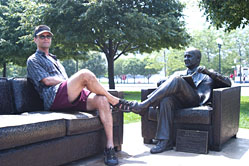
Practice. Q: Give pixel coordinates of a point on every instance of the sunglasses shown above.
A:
(43, 37)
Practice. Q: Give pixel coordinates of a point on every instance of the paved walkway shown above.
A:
(134, 152)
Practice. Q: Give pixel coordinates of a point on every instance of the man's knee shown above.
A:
(86, 75)
(178, 79)
(167, 101)
(102, 102)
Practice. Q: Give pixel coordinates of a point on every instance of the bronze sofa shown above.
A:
(30, 136)
(220, 119)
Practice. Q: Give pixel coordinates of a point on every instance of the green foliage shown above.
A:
(175, 61)
(95, 63)
(133, 66)
(15, 30)
(234, 47)
(131, 96)
(151, 66)
(244, 112)
(229, 14)
(15, 71)
(119, 68)
(205, 41)
(18, 19)
(116, 27)
(70, 66)
(137, 66)
(111, 26)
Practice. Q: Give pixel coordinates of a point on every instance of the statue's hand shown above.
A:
(202, 69)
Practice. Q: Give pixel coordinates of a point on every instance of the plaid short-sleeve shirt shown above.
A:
(39, 67)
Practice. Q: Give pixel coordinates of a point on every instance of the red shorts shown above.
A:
(61, 100)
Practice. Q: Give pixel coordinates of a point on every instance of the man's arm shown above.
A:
(222, 81)
(37, 73)
(50, 81)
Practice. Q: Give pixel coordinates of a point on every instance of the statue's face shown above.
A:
(191, 60)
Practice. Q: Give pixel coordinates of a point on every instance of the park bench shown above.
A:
(30, 136)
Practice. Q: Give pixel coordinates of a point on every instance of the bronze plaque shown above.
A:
(192, 141)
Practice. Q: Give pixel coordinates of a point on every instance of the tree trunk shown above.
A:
(110, 60)
(148, 79)
(4, 69)
(111, 72)
(77, 65)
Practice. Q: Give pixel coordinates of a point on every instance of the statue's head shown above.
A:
(192, 58)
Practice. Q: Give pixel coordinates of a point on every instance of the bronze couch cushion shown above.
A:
(83, 122)
(193, 115)
(28, 128)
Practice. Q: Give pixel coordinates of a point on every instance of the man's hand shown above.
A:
(202, 69)
(50, 81)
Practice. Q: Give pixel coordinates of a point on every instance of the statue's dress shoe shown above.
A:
(137, 108)
(161, 146)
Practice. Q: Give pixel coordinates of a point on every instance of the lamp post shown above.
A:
(238, 42)
(165, 59)
(240, 65)
(219, 42)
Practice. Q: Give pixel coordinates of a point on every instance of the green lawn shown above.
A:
(131, 117)
(244, 112)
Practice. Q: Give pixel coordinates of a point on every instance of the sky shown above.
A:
(193, 16)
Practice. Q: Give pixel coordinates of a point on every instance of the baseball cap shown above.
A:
(41, 29)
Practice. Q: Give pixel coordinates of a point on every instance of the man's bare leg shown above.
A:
(100, 103)
(86, 79)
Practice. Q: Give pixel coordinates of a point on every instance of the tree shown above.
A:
(16, 30)
(119, 69)
(96, 64)
(70, 66)
(234, 50)
(15, 70)
(205, 41)
(116, 27)
(18, 19)
(229, 14)
(151, 66)
(134, 67)
(175, 61)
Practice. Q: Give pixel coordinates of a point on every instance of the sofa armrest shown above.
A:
(116, 93)
(145, 93)
(148, 126)
(226, 112)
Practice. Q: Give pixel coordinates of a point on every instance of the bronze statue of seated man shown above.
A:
(189, 88)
